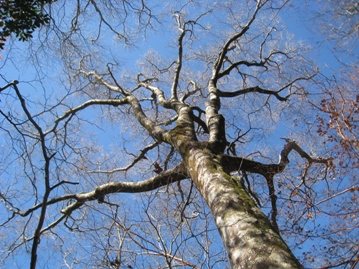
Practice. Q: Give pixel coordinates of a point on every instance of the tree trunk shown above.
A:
(247, 234)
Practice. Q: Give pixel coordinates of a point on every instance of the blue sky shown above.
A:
(35, 85)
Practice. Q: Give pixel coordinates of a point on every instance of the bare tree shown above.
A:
(336, 122)
(335, 26)
(343, 23)
(184, 132)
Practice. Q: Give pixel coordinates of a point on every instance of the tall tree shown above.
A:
(195, 120)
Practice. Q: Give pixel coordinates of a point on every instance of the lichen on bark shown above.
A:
(249, 238)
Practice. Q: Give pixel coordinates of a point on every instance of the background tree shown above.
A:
(334, 24)
(337, 20)
(336, 123)
(193, 126)
(21, 18)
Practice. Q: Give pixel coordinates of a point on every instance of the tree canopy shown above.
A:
(21, 18)
(177, 134)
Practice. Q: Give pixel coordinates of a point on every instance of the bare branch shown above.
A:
(234, 163)
(162, 179)
(105, 22)
(222, 55)
(179, 60)
(136, 160)
(252, 89)
(228, 70)
(13, 83)
(73, 111)
(155, 90)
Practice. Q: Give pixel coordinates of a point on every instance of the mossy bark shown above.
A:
(248, 236)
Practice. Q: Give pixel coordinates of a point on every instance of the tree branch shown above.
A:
(73, 111)
(179, 60)
(13, 83)
(234, 163)
(172, 175)
(155, 90)
(152, 128)
(169, 176)
(228, 70)
(222, 55)
(136, 160)
(252, 89)
(264, 91)
(215, 121)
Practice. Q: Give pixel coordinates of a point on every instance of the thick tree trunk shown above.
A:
(248, 236)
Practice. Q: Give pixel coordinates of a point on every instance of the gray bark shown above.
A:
(248, 236)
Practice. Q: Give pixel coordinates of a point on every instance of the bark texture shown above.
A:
(249, 238)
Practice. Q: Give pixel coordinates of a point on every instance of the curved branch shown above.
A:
(273, 198)
(136, 160)
(98, 10)
(169, 176)
(13, 83)
(234, 163)
(152, 128)
(251, 89)
(215, 121)
(264, 91)
(228, 70)
(46, 169)
(73, 111)
(155, 90)
(228, 45)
